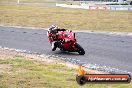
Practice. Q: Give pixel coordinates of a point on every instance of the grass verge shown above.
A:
(75, 19)
(17, 71)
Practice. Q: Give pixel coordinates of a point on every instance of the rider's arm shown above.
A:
(61, 29)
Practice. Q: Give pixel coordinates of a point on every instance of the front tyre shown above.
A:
(80, 49)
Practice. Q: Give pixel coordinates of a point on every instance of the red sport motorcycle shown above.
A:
(66, 41)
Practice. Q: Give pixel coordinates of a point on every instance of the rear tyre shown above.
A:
(80, 49)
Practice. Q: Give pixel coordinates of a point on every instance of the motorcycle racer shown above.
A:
(63, 39)
(54, 30)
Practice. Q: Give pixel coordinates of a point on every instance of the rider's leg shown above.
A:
(53, 46)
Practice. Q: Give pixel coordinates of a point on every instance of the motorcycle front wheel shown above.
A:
(80, 49)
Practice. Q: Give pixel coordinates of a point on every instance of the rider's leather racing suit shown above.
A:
(56, 41)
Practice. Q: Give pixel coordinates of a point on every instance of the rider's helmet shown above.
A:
(53, 29)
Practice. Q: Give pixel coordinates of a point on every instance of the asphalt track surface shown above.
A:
(103, 49)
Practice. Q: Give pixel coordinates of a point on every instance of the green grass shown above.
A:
(29, 74)
(75, 19)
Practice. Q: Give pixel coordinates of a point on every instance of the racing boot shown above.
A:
(53, 46)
